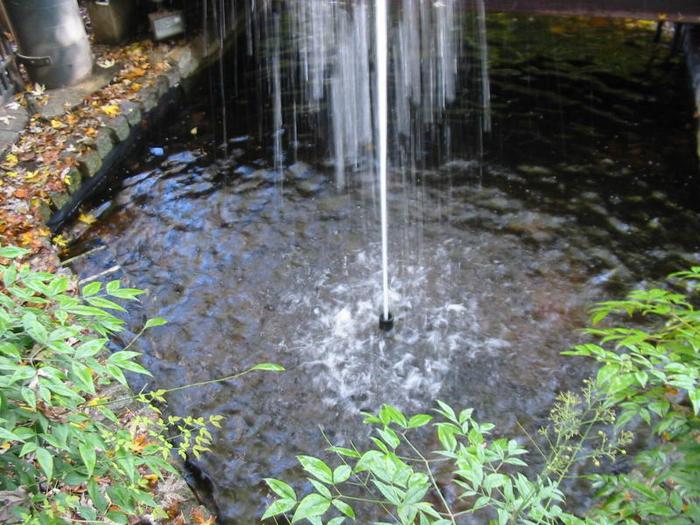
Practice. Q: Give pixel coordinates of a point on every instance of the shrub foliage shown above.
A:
(66, 454)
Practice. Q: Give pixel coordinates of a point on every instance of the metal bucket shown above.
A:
(51, 39)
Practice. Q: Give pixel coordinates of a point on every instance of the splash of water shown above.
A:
(382, 132)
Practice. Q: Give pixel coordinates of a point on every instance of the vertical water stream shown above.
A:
(382, 132)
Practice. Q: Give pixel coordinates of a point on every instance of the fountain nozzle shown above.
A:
(386, 323)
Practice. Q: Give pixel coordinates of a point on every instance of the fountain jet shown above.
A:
(386, 320)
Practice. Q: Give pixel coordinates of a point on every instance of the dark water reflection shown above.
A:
(586, 188)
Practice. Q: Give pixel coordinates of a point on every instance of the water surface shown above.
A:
(585, 188)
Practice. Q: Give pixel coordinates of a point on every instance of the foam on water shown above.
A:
(355, 365)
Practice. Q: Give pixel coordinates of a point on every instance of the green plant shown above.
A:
(65, 454)
(651, 374)
(648, 377)
(486, 474)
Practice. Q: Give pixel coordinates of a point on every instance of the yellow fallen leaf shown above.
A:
(11, 161)
(57, 124)
(111, 110)
(86, 218)
(26, 238)
(60, 241)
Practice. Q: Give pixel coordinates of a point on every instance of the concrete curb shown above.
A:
(119, 135)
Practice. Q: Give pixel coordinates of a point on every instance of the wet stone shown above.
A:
(501, 204)
(184, 157)
(59, 199)
(309, 188)
(248, 185)
(119, 126)
(102, 142)
(619, 226)
(132, 112)
(534, 170)
(162, 85)
(75, 178)
(244, 170)
(300, 170)
(131, 181)
(149, 99)
(89, 163)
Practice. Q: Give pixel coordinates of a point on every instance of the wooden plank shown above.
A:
(673, 10)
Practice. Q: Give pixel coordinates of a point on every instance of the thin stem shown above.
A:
(432, 479)
(175, 389)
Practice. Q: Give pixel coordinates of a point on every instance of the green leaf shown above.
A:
(279, 507)
(90, 348)
(156, 321)
(316, 468)
(12, 252)
(419, 420)
(347, 452)
(101, 302)
(268, 367)
(45, 460)
(311, 506)
(92, 289)
(281, 488)
(320, 488)
(28, 448)
(344, 508)
(6, 435)
(83, 376)
(341, 474)
(114, 289)
(389, 437)
(390, 414)
(89, 457)
(29, 396)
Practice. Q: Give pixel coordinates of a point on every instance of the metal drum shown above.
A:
(51, 39)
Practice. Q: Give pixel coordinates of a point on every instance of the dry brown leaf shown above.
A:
(199, 517)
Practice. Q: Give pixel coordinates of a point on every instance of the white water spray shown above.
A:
(382, 132)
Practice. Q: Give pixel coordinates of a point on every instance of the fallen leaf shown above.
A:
(57, 124)
(38, 90)
(199, 518)
(60, 241)
(106, 63)
(11, 161)
(134, 73)
(111, 110)
(86, 218)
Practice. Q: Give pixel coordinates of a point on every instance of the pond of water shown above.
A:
(585, 188)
